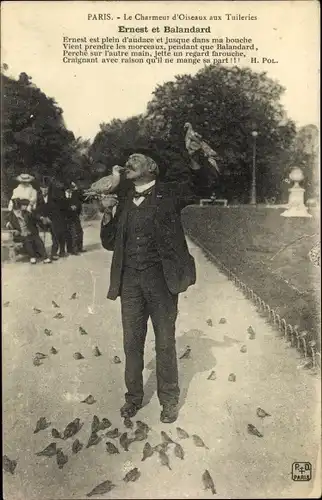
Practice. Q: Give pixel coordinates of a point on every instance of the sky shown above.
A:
(90, 94)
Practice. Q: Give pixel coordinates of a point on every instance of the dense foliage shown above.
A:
(224, 105)
(34, 137)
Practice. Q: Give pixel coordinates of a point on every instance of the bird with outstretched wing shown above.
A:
(198, 149)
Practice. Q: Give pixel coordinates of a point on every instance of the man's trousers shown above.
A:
(145, 294)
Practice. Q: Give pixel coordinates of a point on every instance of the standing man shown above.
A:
(44, 210)
(151, 265)
(74, 227)
(57, 209)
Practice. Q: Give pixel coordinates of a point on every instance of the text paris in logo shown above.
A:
(301, 471)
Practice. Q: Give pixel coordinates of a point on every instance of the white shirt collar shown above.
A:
(144, 187)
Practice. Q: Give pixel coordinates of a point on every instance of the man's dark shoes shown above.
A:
(129, 410)
(169, 414)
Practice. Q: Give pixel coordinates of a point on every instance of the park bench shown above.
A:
(8, 245)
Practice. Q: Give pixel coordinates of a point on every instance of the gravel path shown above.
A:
(267, 375)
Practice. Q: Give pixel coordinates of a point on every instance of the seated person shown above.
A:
(24, 225)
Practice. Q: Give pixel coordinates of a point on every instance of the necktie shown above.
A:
(145, 193)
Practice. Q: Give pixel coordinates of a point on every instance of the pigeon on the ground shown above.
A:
(58, 316)
(143, 426)
(78, 355)
(37, 362)
(89, 400)
(111, 448)
(209, 322)
(140, 434)
(96, 351)
(128, 423)
(77, 446)
(105, 424)
(54, 304)
(232, 377)
(72, 428)
(9, 465)
(262, 413)
(41, 425)
(95, 424)
(41, 355)
(208, 482)
(101, 489)
(243, 349)
(147, 451)
(178, 451)
(182, 434)
(222, 321)
(61, 458)
(74, 296)
(94, 439)
(251, 333)
(186, 353)
(53, 350)
(132, 475)
(49, 451)
(164, 459)
(125, 441)
(47, 332)
(161, 447)
(212, 376)
(116, 360)
(252, 430)
(56, 434)
(199, 442)
(82, 331)
(166, 438)
(115, 433)
(36, 310)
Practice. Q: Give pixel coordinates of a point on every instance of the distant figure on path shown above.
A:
(73, 224)
(24, 191)
(44, 212)
(57, 214)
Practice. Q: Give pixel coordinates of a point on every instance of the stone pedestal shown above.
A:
(296, 207)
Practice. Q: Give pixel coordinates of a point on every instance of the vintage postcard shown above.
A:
(160, 242)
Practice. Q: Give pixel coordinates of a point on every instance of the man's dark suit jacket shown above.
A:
(178, 265)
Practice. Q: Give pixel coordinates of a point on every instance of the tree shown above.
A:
(35, 138)
(112, 141)
(224, 105)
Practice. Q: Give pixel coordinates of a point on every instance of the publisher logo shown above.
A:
(301, 471)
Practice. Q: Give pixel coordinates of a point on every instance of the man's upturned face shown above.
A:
(138, 166)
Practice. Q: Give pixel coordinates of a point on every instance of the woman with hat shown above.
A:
(25, 191)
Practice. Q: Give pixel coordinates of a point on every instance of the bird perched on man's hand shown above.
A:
(198, 149)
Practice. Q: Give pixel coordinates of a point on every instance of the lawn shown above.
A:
(269, 253)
